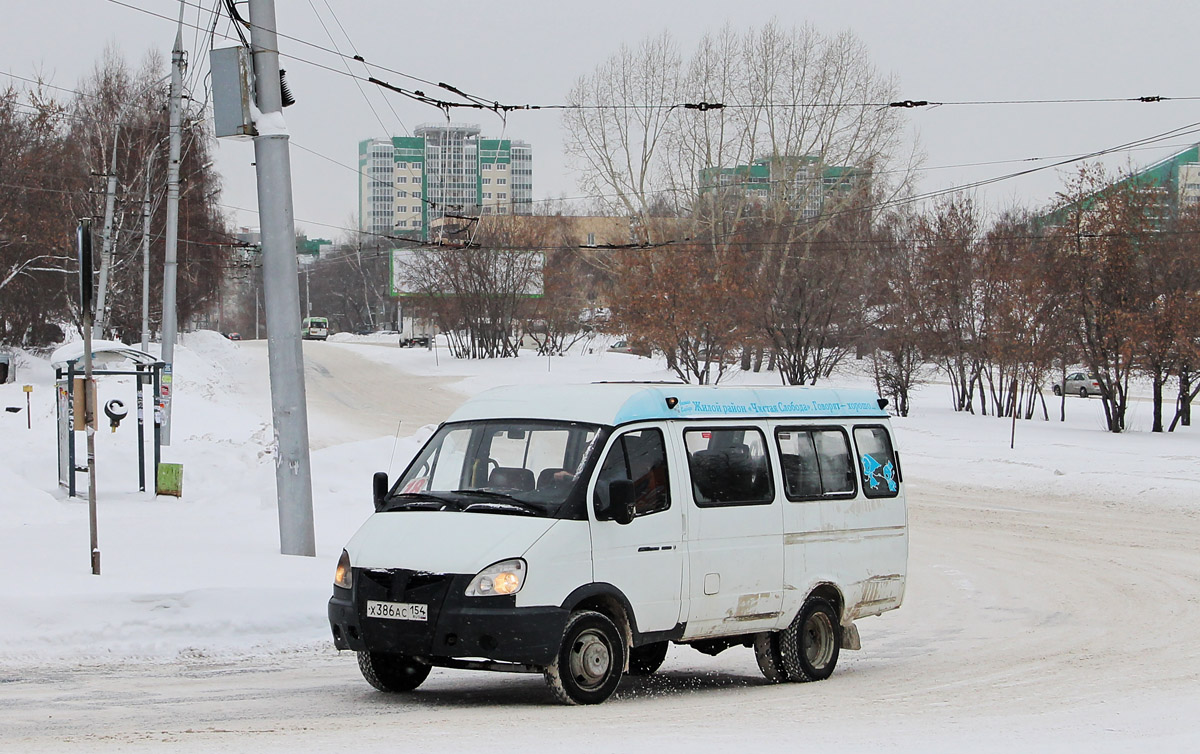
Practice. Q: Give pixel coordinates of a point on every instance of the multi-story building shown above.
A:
(804, 182)
(407, 182)
(1172, 183)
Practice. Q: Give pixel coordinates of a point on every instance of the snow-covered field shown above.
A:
(1053, 601)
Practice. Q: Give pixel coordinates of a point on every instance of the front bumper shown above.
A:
(458, 626)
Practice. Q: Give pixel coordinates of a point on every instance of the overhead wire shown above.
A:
(481, 103)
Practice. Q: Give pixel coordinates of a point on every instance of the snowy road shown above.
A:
(1000, 646)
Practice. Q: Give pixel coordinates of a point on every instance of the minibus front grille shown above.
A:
(403, 585)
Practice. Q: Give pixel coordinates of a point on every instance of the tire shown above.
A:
(809, 647)
(588, 667)
(392, 673)
(1057, 390)
(1083, 393)
(646, 659)
(770, 662)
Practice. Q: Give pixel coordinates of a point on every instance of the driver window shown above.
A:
(640, 456)
(447, 465)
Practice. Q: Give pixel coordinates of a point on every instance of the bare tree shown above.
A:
(1102, 228)
(948, 236)
(775, 133)
(42, 178)
(895, 311)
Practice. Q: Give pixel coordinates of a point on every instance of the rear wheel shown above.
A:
(1083, 393)
(648, 658)
(588, 667)
(391, 672)
(770, 662)
(809, 647)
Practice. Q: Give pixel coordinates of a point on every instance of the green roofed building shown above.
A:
(1174, 183)
(802, 181)
(407, 182)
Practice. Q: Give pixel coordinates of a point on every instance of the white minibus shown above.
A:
(577, 531)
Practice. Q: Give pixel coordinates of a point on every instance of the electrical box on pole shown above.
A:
(232, 93)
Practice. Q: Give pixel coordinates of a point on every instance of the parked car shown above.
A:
(1079, 383)
(626, 346)
(417, 341)
(233, 336)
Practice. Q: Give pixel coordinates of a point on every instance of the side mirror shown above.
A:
(379, 488)
(620, 501)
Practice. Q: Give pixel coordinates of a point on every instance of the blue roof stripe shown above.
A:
(622, 403)
(748, 403)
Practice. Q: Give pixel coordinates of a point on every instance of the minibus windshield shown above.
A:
(506, 466)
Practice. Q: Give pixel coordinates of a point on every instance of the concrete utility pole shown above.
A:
(293, 476)
(170, 262)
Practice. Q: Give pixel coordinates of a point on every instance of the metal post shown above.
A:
(293, 476)
(146, 263)
(71, 486)
(141, 431)
(84, 241)
(170, 264)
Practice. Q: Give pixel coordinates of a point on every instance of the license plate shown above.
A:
(397, 610)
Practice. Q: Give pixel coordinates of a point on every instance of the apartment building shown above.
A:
(408, 182)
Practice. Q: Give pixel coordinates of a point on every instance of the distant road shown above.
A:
(354, 398)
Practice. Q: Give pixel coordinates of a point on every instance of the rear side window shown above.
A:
(877, 462)
(816, 463)
(729, 467)
(640, 456)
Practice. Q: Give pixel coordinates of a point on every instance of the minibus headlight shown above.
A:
(505, 577)
(343, 576)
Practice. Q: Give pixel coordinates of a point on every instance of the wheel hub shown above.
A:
(818, 644)
(591, 659)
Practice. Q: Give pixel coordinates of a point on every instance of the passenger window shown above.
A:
(881, 473)
(816, 463)
(729, 467)
(640, 456)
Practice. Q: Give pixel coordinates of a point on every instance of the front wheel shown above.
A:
(809, 646)
(588, 667)
(391, 672)
(1057, 390)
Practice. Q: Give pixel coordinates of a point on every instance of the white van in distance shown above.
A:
(576, 531)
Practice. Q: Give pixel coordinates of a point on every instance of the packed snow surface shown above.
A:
(1052, 604)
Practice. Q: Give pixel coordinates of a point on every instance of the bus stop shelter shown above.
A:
(109, 359)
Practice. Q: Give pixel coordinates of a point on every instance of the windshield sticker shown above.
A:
(872, 469)
(415, 485)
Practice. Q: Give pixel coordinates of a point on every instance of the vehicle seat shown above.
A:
(511, 478)
(546, 480)
(709, 469)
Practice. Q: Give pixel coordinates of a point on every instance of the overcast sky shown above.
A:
(940, 50)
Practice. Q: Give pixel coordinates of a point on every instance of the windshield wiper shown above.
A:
(420, 501)
(503, 499)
